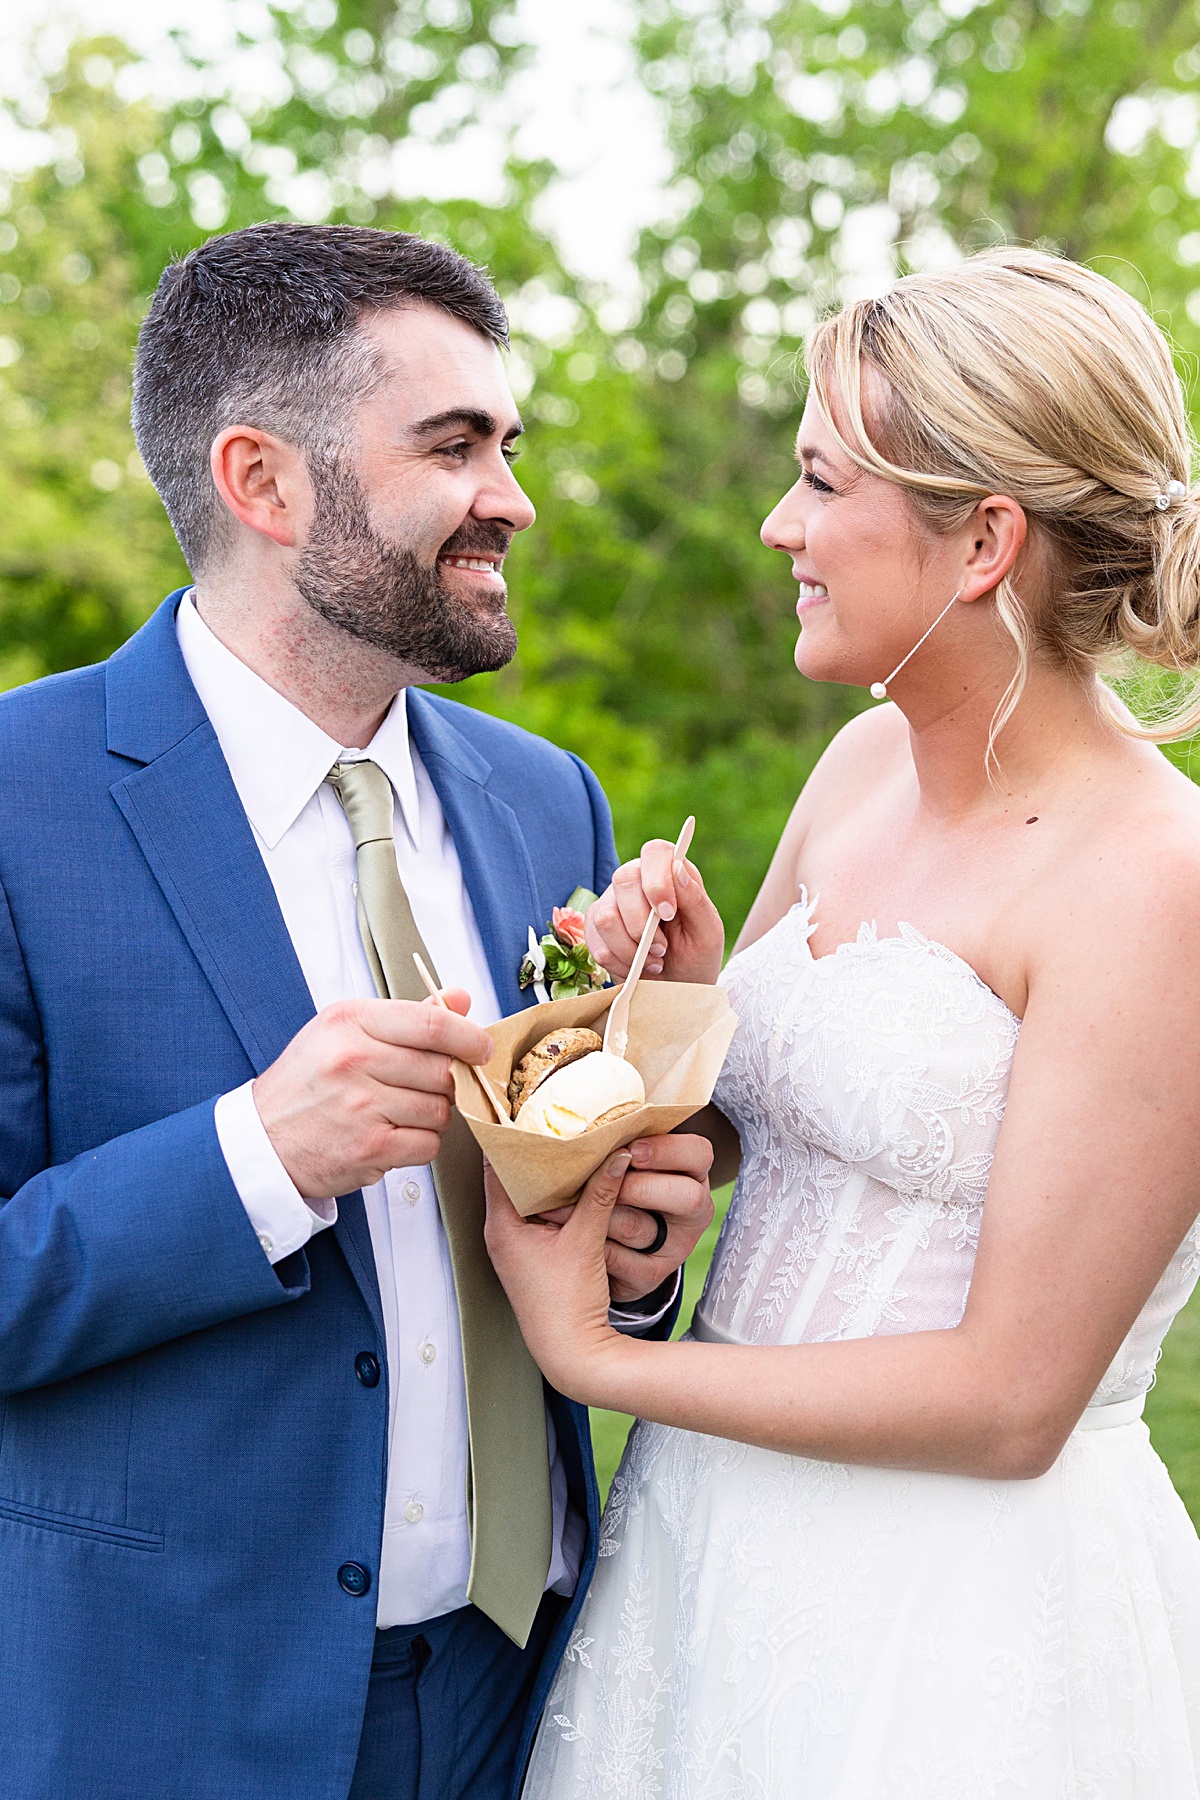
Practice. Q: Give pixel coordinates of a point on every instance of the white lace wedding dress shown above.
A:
(767, 1627)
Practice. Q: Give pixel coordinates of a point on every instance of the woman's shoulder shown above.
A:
(855, 750)
(1153, 842)
(1128, 880)
(857, 758)
(1144, 820)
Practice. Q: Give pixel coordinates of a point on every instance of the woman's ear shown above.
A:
(263, 481)
(996, 533)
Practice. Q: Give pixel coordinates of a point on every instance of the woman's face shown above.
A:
(871, 578)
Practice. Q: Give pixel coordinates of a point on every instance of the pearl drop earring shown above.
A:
(879, 689)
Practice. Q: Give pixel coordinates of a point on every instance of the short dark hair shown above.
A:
(259, 327)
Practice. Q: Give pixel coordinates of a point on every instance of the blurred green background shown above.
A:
(812, 142)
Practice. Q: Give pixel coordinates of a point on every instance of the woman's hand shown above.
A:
(690, 941)
(556, 1277)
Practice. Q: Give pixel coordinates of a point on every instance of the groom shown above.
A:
(286, 1512)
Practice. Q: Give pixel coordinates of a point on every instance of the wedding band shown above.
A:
(660, 1236)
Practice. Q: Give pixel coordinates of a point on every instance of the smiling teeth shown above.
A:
(813, 590)
(471, 562)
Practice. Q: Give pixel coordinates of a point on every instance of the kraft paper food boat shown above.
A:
(679, 1033)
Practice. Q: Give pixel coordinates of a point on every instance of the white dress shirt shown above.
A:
(279, 760)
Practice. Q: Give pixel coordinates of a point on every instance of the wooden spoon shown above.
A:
(616, 1031)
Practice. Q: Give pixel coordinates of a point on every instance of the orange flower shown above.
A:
(567, 925)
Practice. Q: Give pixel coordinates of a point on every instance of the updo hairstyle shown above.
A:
(1023, 374)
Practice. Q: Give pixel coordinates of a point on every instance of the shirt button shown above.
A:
(354, 1579)
(366, 1367)
(412, 1192)
(428, 1352)
(414, 1512)
(268, 1243)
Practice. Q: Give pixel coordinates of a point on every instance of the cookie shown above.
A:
(614, 1112)
(555, 1051)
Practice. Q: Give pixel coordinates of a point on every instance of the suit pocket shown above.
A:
(123, 1537)
(65, 1449)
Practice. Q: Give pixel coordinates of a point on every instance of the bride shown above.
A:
(891, 1526)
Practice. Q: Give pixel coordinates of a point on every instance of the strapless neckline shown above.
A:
(907, 936)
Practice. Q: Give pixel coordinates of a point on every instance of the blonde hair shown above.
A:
(1023, 374)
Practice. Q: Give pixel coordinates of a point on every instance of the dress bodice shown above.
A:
(868, 1088)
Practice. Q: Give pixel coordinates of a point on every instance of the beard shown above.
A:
(378, 592)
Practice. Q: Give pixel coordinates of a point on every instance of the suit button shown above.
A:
(354, 1579)
(366, 1367)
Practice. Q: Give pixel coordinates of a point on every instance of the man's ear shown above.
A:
(997, 530)
(263, 481)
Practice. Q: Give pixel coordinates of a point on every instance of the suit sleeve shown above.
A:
(602, 828)
(638, 1318)
(662, 1327)
(135, 1242)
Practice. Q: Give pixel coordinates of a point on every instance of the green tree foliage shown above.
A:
(1071, 123)
(816, 145)
(82, 546)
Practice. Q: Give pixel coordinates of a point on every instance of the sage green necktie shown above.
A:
(508, 1468)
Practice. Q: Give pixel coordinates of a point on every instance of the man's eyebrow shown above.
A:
(483, 424)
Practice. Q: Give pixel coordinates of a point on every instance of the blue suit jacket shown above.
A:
(186, 1456)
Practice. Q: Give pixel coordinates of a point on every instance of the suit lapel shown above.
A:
(496, 864)
(184, 812)
(183, 809)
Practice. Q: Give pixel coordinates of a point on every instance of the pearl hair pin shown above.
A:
(879, 689)
(1174, 494)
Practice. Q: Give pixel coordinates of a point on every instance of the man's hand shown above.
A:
(366, 1087)
(667, 1175)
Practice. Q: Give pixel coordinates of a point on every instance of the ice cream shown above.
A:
(567, 1085)
(590, 1092)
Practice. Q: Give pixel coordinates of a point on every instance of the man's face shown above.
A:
(411, 524)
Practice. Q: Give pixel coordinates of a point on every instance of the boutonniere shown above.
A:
(560, 958)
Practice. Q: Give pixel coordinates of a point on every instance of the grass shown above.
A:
(1172, 1406)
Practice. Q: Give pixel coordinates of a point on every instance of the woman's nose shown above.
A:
(783, 527)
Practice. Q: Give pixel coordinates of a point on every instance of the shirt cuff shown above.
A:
(283, 1220)
(628, 1318)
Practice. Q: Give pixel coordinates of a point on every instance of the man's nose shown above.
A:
(506, 501)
